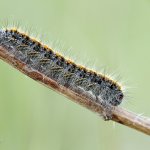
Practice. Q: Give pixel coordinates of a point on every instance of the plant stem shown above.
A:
(119, 114)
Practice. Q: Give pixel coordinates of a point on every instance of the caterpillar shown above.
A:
(103, 90)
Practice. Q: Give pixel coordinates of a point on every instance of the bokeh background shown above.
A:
(113, 35)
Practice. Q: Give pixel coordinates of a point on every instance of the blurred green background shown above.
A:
(113, 35)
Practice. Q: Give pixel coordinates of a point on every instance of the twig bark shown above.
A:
(119, 114)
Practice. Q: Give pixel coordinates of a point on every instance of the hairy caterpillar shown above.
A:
(41, 58)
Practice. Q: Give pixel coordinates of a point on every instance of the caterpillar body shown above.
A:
(67, 73)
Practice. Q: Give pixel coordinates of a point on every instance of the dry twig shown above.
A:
(120, 115)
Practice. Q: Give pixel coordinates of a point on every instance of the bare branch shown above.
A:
(120, 115)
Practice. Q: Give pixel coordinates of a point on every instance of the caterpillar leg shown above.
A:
(107, 109)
